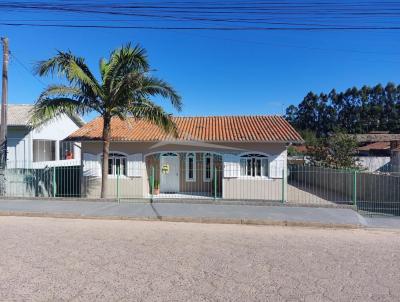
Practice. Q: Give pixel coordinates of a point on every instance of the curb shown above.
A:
(186, 201)
(207, 220)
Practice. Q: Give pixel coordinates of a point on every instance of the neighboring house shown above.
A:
(395, 160)
(233, 157)
(27, 145)
(376, 149)
(395, 156)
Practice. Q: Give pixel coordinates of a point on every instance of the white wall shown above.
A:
(233, 188)
(18, 144)
(57, 129)
(20, 147)
(374, 163)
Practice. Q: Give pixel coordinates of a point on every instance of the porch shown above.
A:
(184, 175)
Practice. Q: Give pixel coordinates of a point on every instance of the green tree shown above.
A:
(341, 151)
(316, 148)
(352, 111)
(125, 88)
(335, 151)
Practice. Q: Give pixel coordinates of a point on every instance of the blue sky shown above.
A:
(221, 73)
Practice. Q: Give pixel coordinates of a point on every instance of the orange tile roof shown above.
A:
(210, 128)
(375, 146)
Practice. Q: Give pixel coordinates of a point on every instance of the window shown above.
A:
(190, 167)
(254, 165)
(43, 150)
(66, 150)
(116, 163)
(207, 166)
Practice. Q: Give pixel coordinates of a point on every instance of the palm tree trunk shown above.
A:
(106, 151)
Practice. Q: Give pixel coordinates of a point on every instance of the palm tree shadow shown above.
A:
(158, 216)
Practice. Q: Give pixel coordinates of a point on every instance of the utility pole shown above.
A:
(4, 84)
(3, 125)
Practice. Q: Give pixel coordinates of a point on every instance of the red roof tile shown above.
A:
(210, 128)
(375, 146)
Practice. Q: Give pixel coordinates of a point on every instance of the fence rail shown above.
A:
(310, 185)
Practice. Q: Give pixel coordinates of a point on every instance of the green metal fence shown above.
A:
(43, 181)
(210, 181)
(367, 191)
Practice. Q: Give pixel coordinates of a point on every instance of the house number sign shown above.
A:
(165, 169)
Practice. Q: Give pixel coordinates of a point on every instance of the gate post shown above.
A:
(54, 182)
(283, 185)
(152, 182)
(355, 188)
(118, 171)
(215, 183)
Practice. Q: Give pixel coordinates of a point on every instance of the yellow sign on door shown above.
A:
(165, 168)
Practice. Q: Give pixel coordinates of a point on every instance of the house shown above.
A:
(395, 161)
(27, 145)
(375, 152)
(375, 149)
(231, 157)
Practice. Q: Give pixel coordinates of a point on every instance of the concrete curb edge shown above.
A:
(208, 220)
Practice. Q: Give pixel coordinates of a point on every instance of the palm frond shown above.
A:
(122, 61)
(153, 86)
(124, 89)
(59, 90)
(136, 85)
(47, 109)
(73, 68)
(75, 93)
(147, 110)
(103, 66)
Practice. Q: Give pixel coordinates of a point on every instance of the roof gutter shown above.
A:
(180, 141)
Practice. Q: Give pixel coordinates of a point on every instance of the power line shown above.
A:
(27, 69)
(217, 15)
(241, 28)
(277, 9)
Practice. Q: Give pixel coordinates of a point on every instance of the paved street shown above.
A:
(49, 259)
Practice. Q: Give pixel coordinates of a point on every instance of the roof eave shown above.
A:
(83, 139)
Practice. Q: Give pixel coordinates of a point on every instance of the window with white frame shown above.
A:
(207, 166)
(43, 150)
(190, 167)
(116, 164)
(66, 150)
(254, 165)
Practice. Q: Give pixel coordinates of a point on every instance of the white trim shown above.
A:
(134, 165)
(182, 151)
(264, 171)
(256, 177)
(191, 141)
(121, 176)
(254, 152)
(91, 165)
(112, 151)
(189, 155)
(123, 156)
(211, 156)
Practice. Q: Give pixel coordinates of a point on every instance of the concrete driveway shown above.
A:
(49, 259)
(300, 194)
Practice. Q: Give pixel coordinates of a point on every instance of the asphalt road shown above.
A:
(48, 259)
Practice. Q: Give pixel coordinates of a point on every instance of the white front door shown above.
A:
(169, 170)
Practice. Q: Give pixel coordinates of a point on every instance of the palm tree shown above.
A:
(125, 89)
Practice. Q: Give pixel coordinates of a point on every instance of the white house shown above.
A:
(27, 145)
(231, 157)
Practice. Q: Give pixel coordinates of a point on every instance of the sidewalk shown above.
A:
(210, 213)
